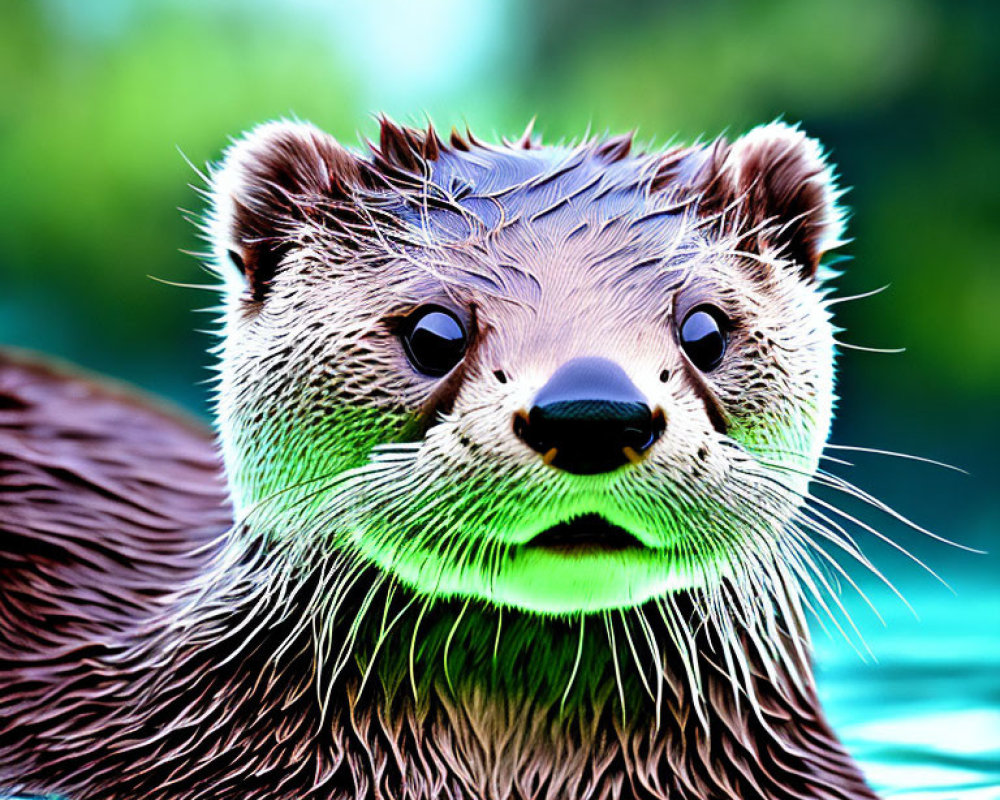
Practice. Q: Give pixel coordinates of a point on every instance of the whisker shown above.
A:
(657, 657)
(683, 640)
(447, 645)
(178, 285)
(839, 568)
(836, 482)
(863, 349)
(383, 634)
(836, 301)
(833, 532)
(893, 453)
(428, 601)
(804, 566)
(881, 536)
(635, 656)
(841, 484)
(609, 630)
(576, 665)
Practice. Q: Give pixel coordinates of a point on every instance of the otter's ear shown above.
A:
(269, 183)
(776, 183)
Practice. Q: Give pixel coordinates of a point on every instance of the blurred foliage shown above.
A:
(101, 98)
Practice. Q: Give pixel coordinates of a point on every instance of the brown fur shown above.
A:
(104, 697)
(145, 650)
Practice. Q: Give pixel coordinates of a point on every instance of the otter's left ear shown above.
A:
(775, 180)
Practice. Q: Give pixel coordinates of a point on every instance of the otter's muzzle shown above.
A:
(589, 418)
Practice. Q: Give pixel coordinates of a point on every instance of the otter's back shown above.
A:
(108, 502)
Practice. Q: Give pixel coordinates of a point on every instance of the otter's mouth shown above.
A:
(589, 533)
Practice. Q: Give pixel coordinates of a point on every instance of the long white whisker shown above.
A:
(576, 665)
(447, 645)
(609, 629)
(635, 656)
(863, 349)
(896, 454)
(836, 301)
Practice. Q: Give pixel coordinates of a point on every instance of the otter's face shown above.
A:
(562, 380)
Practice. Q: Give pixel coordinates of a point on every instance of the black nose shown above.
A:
(589, 418)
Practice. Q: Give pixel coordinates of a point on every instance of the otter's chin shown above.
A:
(581, 565)
(558, 581)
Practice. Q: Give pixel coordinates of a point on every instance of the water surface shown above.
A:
(924, 719)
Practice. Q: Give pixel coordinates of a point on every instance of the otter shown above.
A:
(516, 442)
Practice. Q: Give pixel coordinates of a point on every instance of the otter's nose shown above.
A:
(589, 418)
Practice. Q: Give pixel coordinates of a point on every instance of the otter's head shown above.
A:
(562, 379)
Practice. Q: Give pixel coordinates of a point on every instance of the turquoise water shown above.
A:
(923, 719)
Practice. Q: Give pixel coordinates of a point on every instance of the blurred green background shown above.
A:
(101, 98)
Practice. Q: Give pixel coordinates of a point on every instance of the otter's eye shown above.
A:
(434, 341)
(703, 338)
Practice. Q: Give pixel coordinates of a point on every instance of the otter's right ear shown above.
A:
(269, 182)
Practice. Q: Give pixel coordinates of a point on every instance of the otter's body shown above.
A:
(166, 636)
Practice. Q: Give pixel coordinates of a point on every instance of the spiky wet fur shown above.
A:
(548, 254)
(198, 703)
(299, 661)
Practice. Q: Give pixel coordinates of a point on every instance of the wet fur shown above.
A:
(119, 688)
(148, 649)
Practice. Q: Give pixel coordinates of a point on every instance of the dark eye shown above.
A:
(434, 340)
(703, 337)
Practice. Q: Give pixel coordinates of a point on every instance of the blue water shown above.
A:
(923, 720)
